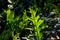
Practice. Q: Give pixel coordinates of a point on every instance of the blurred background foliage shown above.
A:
(29, 19)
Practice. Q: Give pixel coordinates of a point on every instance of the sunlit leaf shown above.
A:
(39, 22)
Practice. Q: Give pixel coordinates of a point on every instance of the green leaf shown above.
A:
(10, 16)
(36, 18)
(8, 12)
(33, 13)
(39, 23)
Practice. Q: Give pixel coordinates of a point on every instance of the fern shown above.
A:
(10, 25)
(37, 23)
(24, 21)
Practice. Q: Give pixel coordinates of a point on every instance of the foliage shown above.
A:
(10, 25)
(17, 21)
(38, 24)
